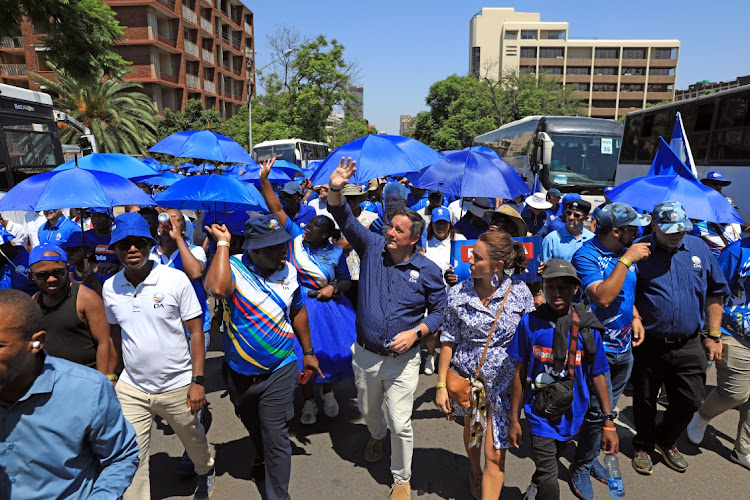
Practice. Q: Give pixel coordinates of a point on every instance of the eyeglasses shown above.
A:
(126, 244)
(43, 276)
(575, 215)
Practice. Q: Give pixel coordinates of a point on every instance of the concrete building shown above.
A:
(405, 124)
(612, 77)
(358, 109)
(705, 86)
(180, 50)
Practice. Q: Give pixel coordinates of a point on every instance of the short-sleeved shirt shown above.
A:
(152, 315)
(100, 244)
(672, 287)
(594, 263)
(58, 233)
(439, 251)
(734, 262)
(560, 244)
(316, 267)
(532, 345)
(259, 338)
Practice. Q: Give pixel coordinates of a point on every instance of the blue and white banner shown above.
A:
(461, 252)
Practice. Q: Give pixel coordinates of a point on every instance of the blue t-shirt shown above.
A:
(59, 233)
(734, 262)
(560, 244)
(532, 345)
(594, 263)
(100, 244)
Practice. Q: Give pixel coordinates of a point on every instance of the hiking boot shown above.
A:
(696, 429)
(642, 463)
(598, 472)
(673, 458)
(186, 467)
(205, 487)
(308, 412)
(374, 450)
(401, 491)
(741, 458)
(580, 483)
(330, 405)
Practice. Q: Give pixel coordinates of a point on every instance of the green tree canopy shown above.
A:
(78, 34)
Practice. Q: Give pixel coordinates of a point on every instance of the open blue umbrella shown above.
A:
(73, 188)
(378, 156)
(287, 167)
(163, 167)
(274, 176)
(483, 149)
(186, 166)
(203, 167)
(152, 162)
(212, 192)
(114, 163)
(203, 144)
(165, 179)
(470, 174)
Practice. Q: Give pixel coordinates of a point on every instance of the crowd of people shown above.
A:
(103, 330)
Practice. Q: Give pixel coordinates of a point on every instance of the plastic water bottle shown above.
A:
(614, 477)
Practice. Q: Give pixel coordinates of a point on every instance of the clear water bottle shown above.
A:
(614, 477)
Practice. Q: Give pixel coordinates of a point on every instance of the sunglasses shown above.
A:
(45, 275)
(576, 215)
(499, 221)
(125, 245)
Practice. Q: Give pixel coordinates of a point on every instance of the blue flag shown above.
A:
(668, 162)
(680, 145)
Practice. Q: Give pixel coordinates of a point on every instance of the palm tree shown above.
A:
(121, 118)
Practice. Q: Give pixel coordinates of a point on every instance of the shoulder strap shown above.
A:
(494, 324)
(573, 347)
(720, 232)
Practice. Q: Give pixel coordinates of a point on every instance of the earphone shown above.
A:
(36, 344)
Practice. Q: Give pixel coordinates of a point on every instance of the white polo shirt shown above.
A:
(154, 347)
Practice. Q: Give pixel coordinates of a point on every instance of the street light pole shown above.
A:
(249, 101)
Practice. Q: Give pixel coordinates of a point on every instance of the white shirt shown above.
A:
(161, 258)
(18, 231)
(439, 252)
(457, 210)
(154, 346)
(32, 221)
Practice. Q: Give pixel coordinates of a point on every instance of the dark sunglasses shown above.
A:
(499, 220)
(126, 244)
(576, 215)
(45, 275)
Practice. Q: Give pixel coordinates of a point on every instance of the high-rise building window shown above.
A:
(631, 87)
(604, 70)
(665, 53)
(602, 103)
(475, 60)
(661, 71)
(529, 70)
(528, 51)
(582, 87)
(604, 87)
(631, 104)
(633, 53)
(633, 71)
(553, 34)
(528, 34)
(578, 70)
(657, 87)
(607, 53)
(511, 35)
(551, 52)
(551, 70)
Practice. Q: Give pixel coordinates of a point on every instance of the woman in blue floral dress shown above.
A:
(469, 315)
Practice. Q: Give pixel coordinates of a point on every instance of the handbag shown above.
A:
(458, 386)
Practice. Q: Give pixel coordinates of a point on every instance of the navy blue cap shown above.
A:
(554, 192)
(130, 224)
(37, 252)
(264, 231)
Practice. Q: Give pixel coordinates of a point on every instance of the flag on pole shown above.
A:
(537, 187)
(680, 145)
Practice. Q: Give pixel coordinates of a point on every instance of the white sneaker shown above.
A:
(330, 405)
(741, 458)
(697, 428)
(531, 492)
(308, 412)
(429, 364)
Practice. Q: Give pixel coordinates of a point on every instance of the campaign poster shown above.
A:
(461, 252)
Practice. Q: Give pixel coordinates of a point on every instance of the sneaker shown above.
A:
(186, 467)
(308, 412)
(580, 483)
(673, 458)
(401, 491)
(330, 405)
(374, 450)
(205, 486)
(598, 472)
(531, 492)
(642, 463)
(258, 471)
(741, 458)
(429, 364)
(696, 428)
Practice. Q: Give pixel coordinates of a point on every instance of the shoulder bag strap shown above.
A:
(573, 347)
(494, 324)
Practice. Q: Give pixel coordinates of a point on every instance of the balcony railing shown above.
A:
(168, 3)
(13, 69)
(248, 53)
(168, 77)
(209, 86)
(192, 81)
(192, 48)
(168, 41)
(237, 71)
(207, 56)
(248, 29)
(232, 40)
(207, 26)
(189, 15)
(14, 42)
(227, 93)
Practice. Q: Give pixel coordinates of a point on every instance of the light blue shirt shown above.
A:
(560, 244)
(66, 438)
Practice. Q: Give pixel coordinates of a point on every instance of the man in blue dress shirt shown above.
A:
(396, 287)
(680, 289)
(565, 241)
(62, 428)
(57, 229)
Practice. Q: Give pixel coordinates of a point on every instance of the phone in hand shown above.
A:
(305, 375)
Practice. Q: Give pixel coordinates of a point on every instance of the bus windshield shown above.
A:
(280, 151)
(580, 160)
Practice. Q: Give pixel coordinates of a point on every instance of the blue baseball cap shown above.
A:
(101, 210)
(130, 224)
(671, 217)
(715, 176)
(37, 252)
(620, 215)
(292, 187)
(441, 213)
(554, 192)
(264, 231)
(5, 236)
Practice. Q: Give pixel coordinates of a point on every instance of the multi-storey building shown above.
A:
(358, 107)
(405, 125)
(180, 50)
(706, 86)
(612, 77)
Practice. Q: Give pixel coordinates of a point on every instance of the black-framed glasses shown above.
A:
(576, 215)
(43, 276)
(126, 244)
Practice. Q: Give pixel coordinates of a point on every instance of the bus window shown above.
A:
(4, 184)
(630, 140)
(654, 126)
(731, 145)
(734, 112)
(29, 144)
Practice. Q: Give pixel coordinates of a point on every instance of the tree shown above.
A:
(121, 118)
(195, 117)
(78, 34)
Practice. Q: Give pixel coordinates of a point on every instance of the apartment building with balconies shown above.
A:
(611, 77)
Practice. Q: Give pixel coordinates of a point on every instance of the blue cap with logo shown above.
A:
(620, 215)
(5, 236)
(292, 187)
(441, 213)
(264, 231)
(715, 176)
(130, 224)
(671, 217)
(37, 254)
(554, 192)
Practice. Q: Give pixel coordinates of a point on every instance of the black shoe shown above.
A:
(258, 471)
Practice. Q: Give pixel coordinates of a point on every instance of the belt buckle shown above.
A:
(672, 341)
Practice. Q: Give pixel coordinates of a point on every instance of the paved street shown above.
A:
(328, 457)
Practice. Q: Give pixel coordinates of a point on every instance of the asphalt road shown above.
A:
(328, 463)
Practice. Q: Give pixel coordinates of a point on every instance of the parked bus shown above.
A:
(295, 151)
(570, 153)
(718, 130)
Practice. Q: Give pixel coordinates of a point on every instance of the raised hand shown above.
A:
(265, 168)
(342, 174)
(219, 232)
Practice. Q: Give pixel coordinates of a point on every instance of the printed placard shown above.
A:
(461, 252)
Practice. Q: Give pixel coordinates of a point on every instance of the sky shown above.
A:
(403, 47)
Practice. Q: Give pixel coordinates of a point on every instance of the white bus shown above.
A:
(718, 130)
(294, 151)
(571, 153)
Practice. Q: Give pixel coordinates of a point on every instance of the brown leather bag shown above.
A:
(458, 386)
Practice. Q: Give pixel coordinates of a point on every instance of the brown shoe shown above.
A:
(475, 485)
(374, 450)
(401, 492)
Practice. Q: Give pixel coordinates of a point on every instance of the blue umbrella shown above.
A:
(186, 166)
(483, 149)
(114, 163)
(165, 179)
(274, 176)
(203, 144)
(74, 188)
(163, 167)
(378, 156)
(203, 167)
(212, 192)
(471, 174)
(151, 162)
(287, 167)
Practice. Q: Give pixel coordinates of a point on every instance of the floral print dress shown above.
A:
(467, 323)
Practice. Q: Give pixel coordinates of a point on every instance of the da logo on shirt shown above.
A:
(696, 262)
(58, 237)
(273, 224)
(413, 276)
(158, 299)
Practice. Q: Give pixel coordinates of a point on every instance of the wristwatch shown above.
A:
(418, 332)
(609, 416)
(311, 352)
(197, 379)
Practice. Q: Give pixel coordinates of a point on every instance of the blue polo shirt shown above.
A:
(560, 244)
(734, 262)
(671, 288)
(594, 263)
(58, 233)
